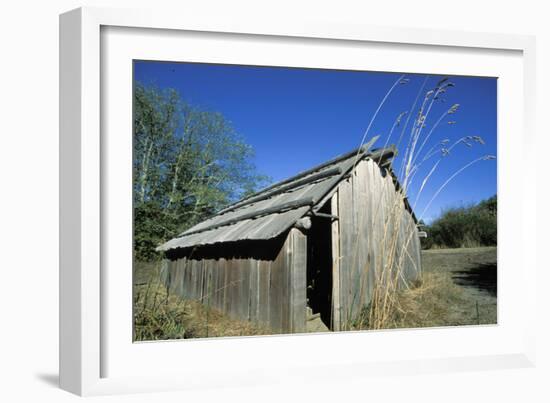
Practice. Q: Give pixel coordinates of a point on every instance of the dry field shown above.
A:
(459, 287)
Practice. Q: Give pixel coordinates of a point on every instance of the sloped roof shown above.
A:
(273, 210)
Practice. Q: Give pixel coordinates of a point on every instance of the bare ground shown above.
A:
(459, 287)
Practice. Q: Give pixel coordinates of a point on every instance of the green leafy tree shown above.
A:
(188, 163)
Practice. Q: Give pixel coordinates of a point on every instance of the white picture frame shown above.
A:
(88, 338)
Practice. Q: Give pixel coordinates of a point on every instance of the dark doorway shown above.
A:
(319, 266)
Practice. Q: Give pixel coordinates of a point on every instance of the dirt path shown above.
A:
(475, 271)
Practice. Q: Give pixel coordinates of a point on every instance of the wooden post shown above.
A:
(298, 281)
(335, 239)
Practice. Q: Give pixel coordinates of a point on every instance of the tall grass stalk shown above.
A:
(380, 105)
(413, 107)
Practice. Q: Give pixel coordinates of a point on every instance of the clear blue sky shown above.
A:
(297, 118)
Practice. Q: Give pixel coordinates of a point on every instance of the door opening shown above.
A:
(319, 266)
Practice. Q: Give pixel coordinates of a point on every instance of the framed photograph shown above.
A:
(238, 195)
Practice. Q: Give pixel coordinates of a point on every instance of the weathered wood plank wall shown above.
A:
(270, 293)
(369, 212)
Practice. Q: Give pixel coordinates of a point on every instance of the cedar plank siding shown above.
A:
(365, 200)
(270, 293)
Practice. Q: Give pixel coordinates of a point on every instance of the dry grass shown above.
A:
(157, 315)
(430, 302)
(161, 316)
(434, 301)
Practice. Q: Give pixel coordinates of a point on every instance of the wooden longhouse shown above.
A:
(311, 243)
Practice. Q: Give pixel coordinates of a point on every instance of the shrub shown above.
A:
(463, 227)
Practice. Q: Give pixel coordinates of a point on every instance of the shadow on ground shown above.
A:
(49, 379)
(482, 277)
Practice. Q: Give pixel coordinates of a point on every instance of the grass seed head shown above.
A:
(478, 139)
(442, 81)
(453, 109)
